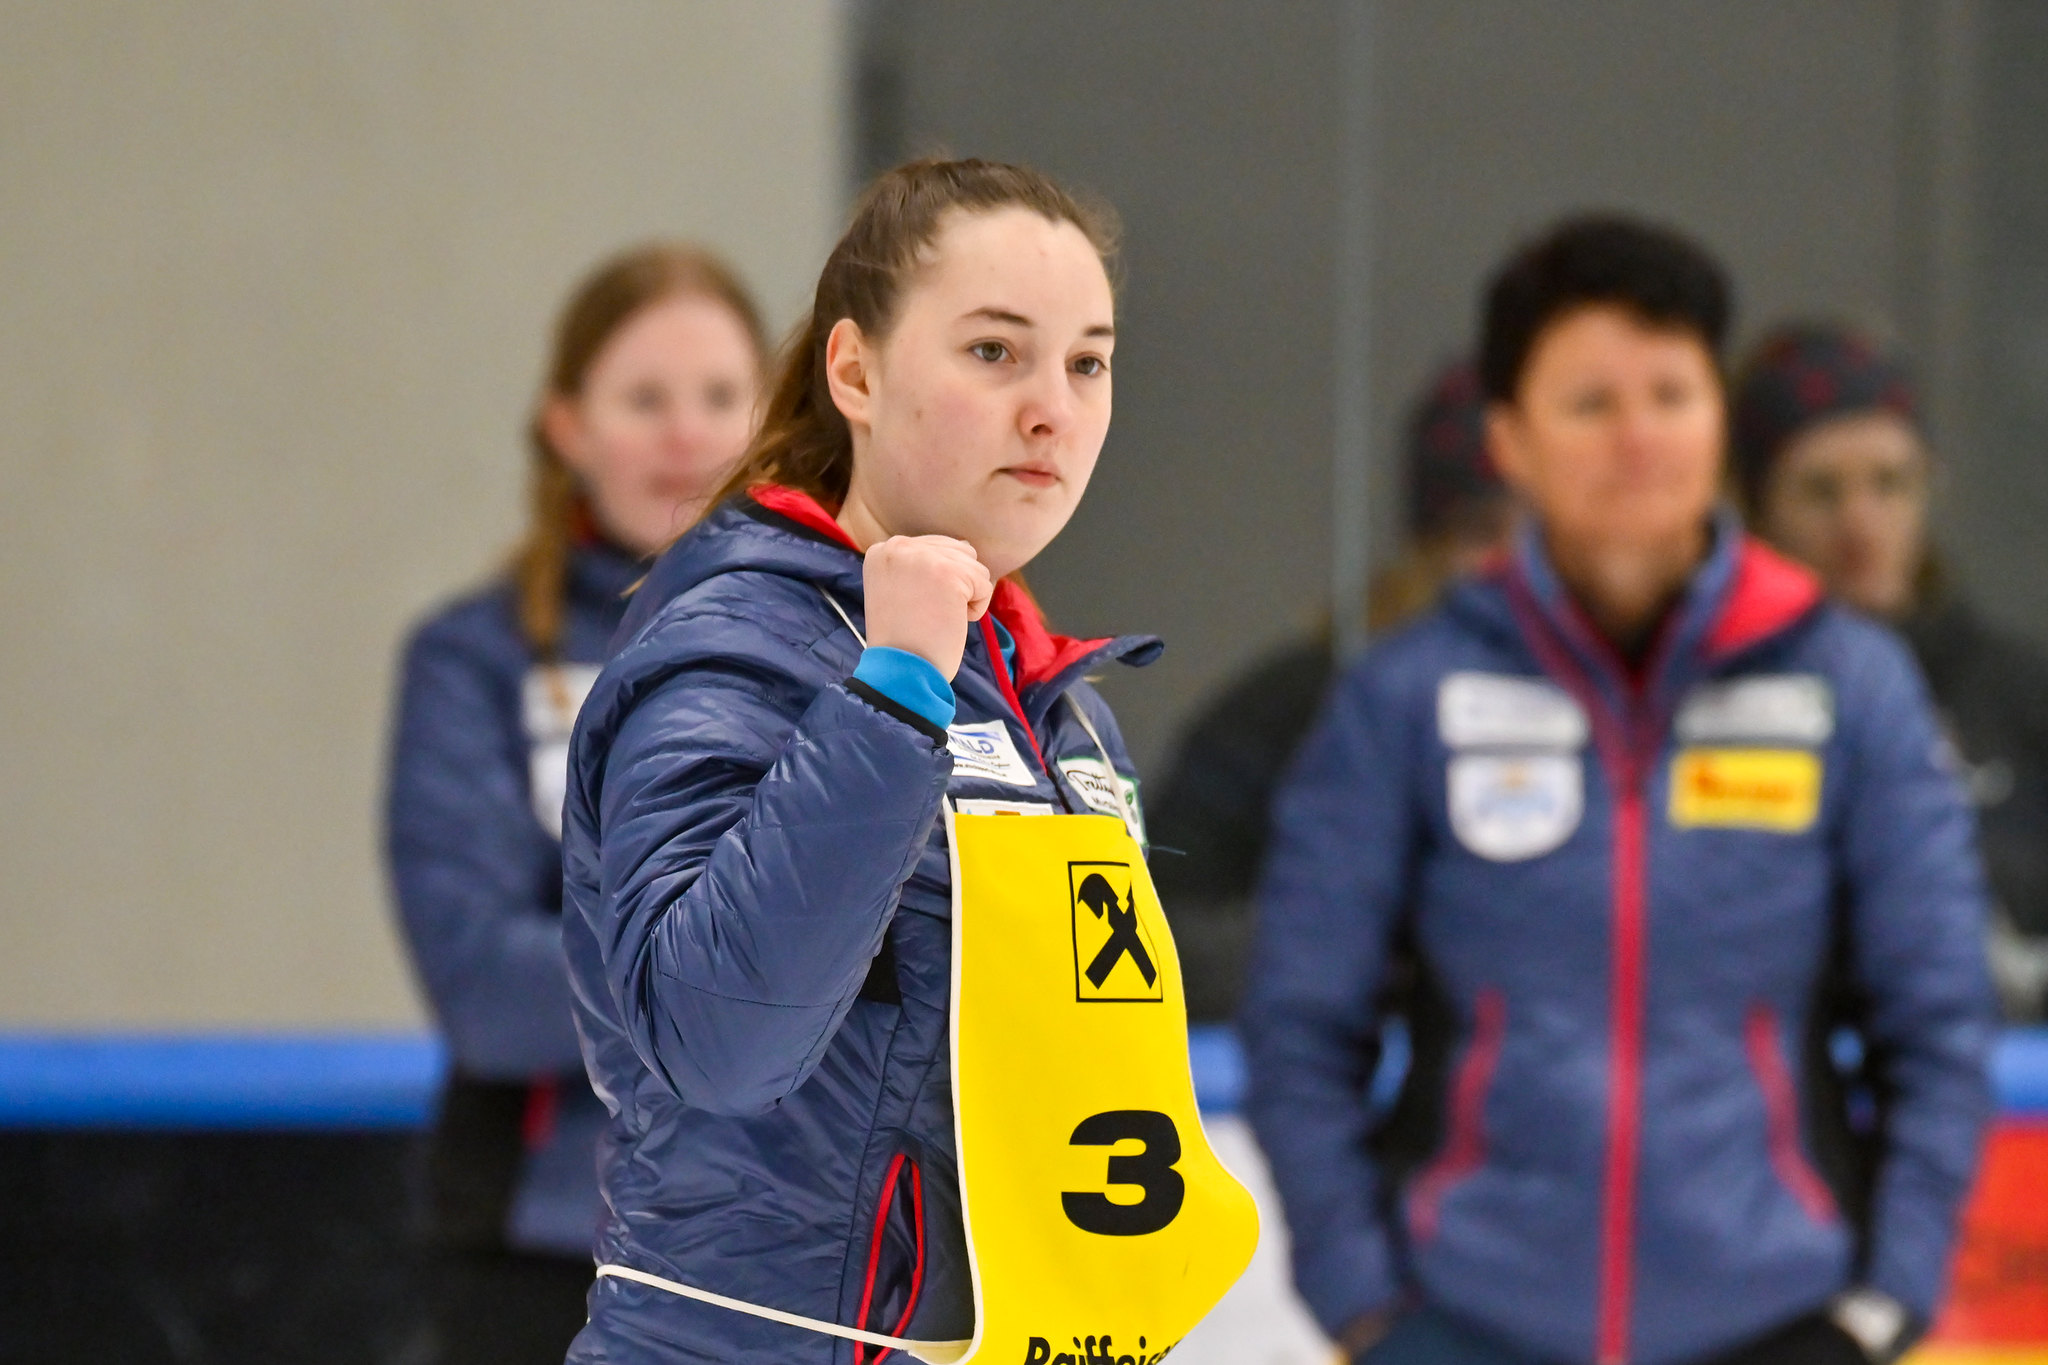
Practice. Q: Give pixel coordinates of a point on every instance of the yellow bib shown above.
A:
(1099, 1221)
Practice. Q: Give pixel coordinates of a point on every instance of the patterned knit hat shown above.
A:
(1803, 374)
(1450, 473)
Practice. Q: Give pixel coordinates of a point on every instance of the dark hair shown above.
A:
(803, 441)
(1661, 276)
(615, 292)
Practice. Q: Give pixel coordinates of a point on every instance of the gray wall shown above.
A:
(1802, 139)
(278, 278)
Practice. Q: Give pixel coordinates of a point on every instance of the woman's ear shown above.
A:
(562, 425)
(1506, 444)
(849, 372)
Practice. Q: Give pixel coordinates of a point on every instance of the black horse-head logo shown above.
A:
(1100, 897)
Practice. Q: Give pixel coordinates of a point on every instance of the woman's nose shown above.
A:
(1049, 406)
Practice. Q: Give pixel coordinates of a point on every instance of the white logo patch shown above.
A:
(1105, 790)
(1788, 708)
(985, 750)
(1003, 807)
(549, 698)
(1497, 711)
(1507, 807)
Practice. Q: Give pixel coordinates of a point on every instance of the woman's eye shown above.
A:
(1091, 365)
(990, 351)
(646, 398)
(722, 397)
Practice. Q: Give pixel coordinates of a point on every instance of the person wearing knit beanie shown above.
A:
(1832, 459)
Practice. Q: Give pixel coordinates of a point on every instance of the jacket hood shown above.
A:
(772, 529)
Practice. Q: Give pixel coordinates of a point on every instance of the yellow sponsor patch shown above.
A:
(1774, 789)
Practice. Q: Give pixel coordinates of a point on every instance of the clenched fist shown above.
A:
(921, 593)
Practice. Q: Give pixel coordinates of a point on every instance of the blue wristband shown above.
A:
(912, 681)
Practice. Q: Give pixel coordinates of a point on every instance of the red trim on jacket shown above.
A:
(1781, 1111)
(537, 1119)
(1769, 593)
(1464, 1150)
(1625, 1098)
(1040, 653)
(803, 509)
(1617, 749)
(891, 1181)
(1009, 691)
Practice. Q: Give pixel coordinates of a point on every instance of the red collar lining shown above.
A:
(1769, 593)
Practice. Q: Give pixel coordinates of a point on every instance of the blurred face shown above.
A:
(665, 410)
(1614, 438)
(1849, 497)
(981, 413)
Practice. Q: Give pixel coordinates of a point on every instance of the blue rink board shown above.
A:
(381, 1081)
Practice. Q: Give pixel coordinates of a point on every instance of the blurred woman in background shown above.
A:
(1834, 463)
(650, 397)
(1641, 808)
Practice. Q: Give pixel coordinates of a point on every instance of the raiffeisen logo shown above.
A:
(1090, 1351)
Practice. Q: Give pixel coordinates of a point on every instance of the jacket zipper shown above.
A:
(1628, 748)
(1464, 1148)
(1781, 1115)
(1617, 1210)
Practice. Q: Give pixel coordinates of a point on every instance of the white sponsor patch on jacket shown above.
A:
(1106, 791)
(1004, 807)
(1499, 711)
(549, 697)
(1507, 807)
(1784, 708)
(985, 750)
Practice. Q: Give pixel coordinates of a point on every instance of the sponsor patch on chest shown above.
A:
(1765, 789)
(1508, 807)
(1786, 708)
(1501, 711)
(984, 750)
(1104, 789)
(549, 697)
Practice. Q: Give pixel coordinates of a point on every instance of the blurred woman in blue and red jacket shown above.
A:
(758, 927)
(649, 399)
(1628, 824)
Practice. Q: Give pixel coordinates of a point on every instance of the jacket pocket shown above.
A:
(1464, 1148)
(1781, 1115)
(893, 1278)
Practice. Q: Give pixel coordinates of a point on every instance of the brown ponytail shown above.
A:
(617, 291)
(803, 442)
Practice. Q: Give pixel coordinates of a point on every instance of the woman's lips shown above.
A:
(1032, 476)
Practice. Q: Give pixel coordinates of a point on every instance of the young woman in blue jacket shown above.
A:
(649, 399)
(1626, 829)
(758, 922)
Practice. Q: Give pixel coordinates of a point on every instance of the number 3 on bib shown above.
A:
(1151, 1170)
(1095, 1208)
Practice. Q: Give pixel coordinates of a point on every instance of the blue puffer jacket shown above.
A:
(1625, 919)
(759, 937)
(478, 761)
